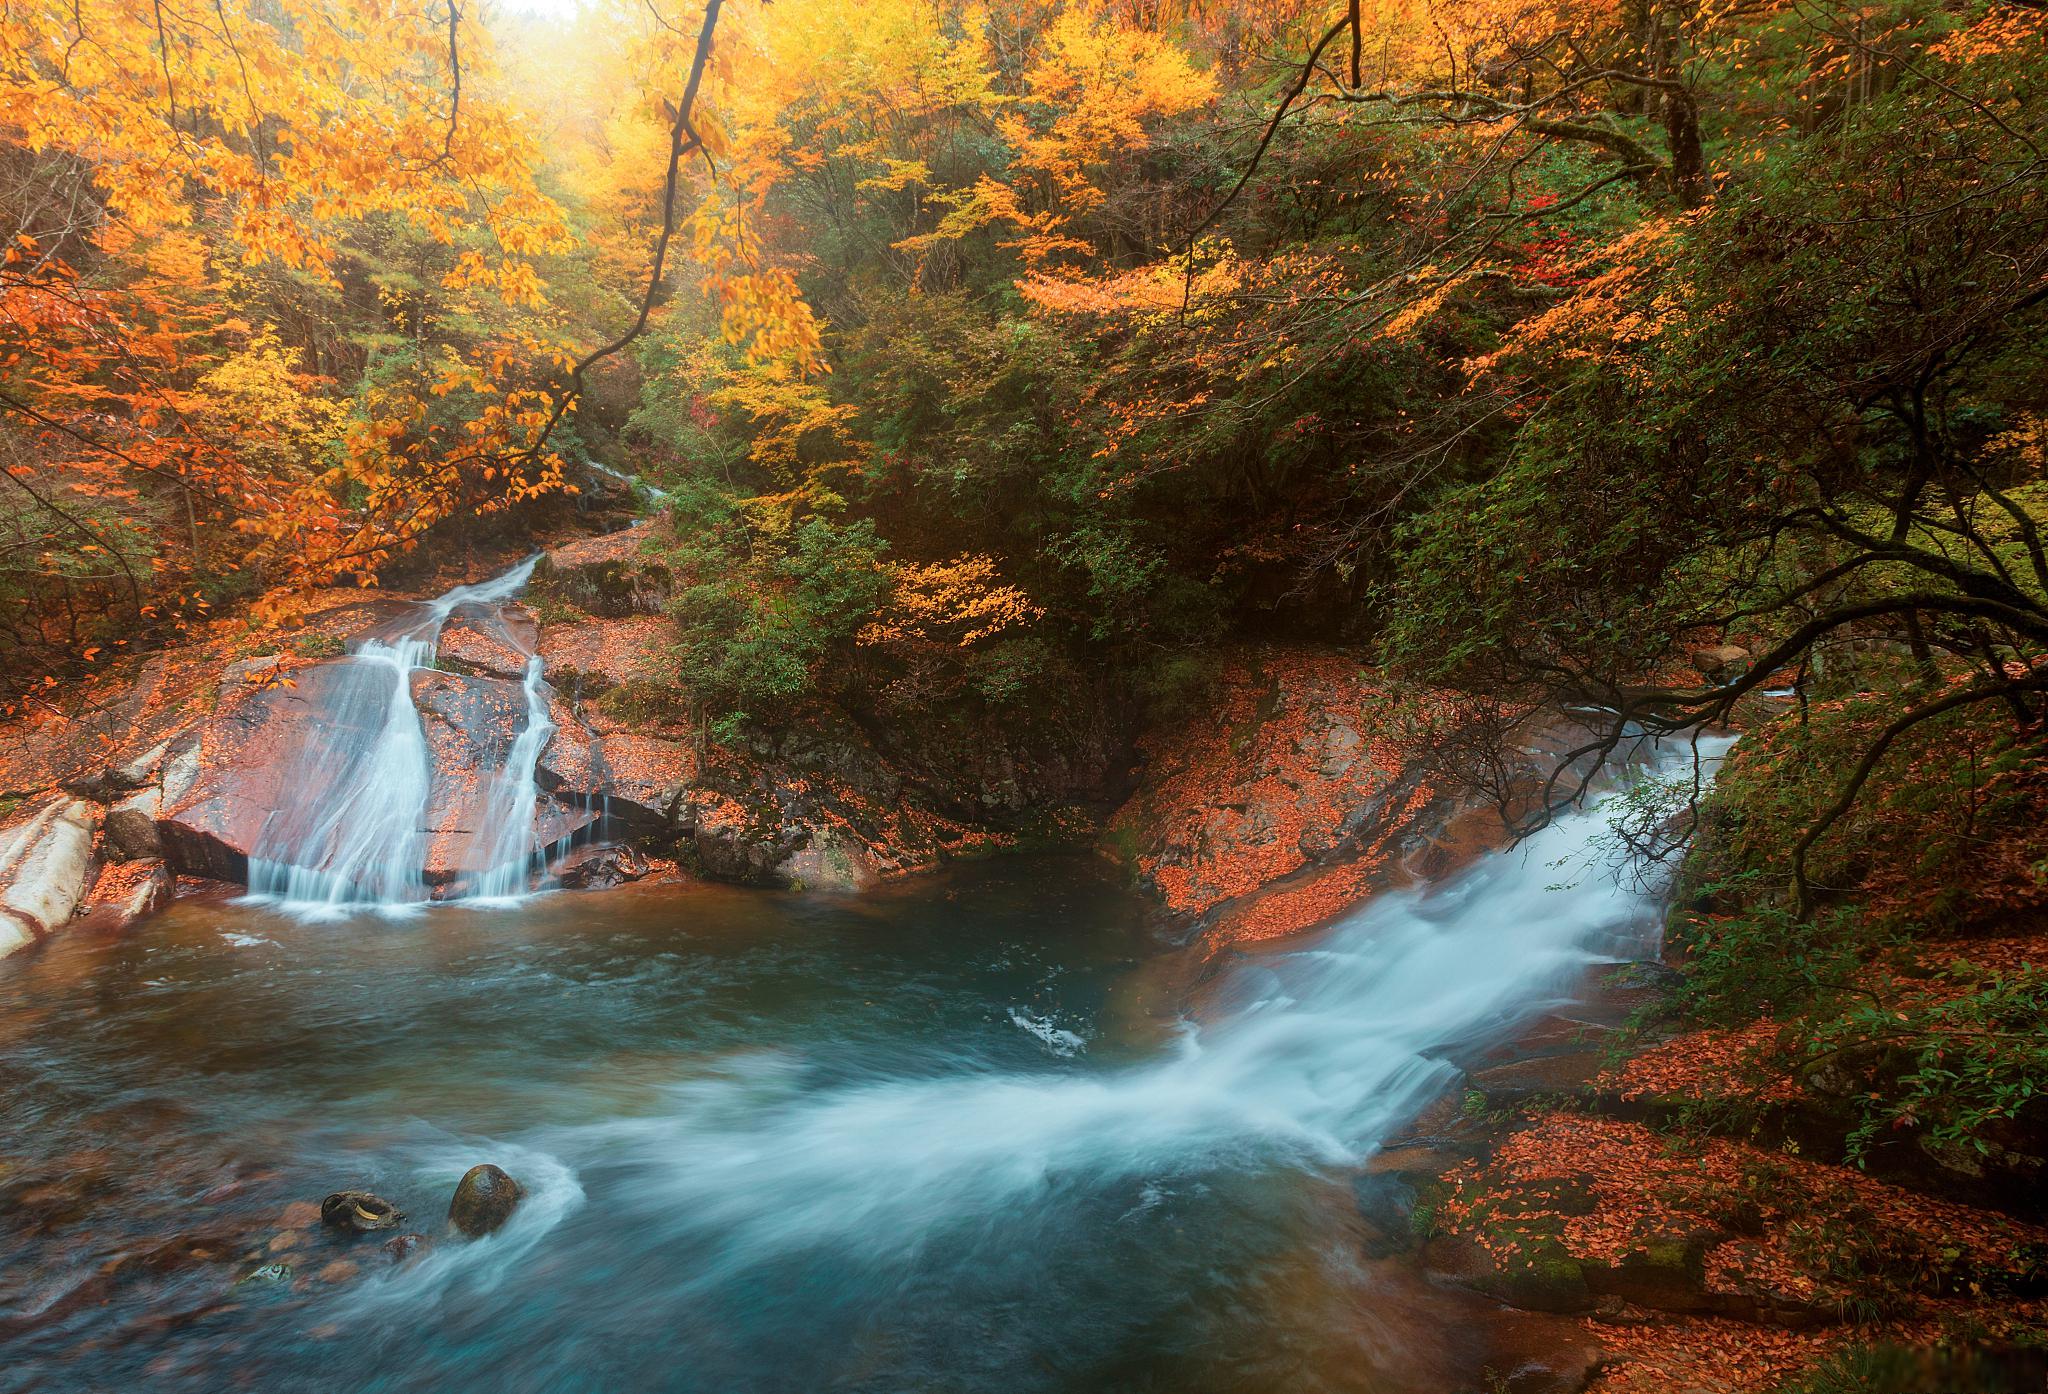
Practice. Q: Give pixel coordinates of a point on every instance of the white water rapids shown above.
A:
(1301, 1061)
(356, 834)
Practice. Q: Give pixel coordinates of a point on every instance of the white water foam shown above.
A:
(452, 1266)
(1311, 1059)
(1050, 1034)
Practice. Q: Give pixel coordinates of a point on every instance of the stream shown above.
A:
(972, 1132)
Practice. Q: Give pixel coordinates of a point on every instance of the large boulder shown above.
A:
(647, 778)
(484, 1199)
(597, 866)
(45, 869)
(744, 842)
(1721, 662)
(588, 657)
(608, 575)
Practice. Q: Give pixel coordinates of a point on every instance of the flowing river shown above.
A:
(975, 1132)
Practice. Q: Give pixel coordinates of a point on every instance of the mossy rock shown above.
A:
(1540, 1277)
(1387, 1204)
(1668, 1273)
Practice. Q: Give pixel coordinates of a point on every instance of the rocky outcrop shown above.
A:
(817, 806)
(45, 870)
(223, 785)
(836, 797)
(242, 748)
(610, 576)
(491, 642)
(1302, 795)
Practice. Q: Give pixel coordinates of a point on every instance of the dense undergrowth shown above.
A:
(1917, 990)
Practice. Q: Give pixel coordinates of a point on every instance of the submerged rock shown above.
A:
(269, 1275)
(403, 1248)
(360, 1212)
(484, 1199)
(599, 866)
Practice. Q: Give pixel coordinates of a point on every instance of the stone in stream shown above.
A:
(599, 866)
(484, 1200)
(403, 1248)
(359, 1211)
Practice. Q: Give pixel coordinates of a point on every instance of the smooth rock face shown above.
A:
(45, 868)
(223, 785)
(484, 1199)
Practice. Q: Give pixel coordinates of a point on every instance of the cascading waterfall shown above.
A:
(355, 832)
(1309, 1059)
(515, 794)
(655, 495)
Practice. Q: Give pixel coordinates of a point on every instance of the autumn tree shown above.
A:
(1807, 420)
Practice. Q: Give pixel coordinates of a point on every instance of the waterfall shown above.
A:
(655, 495)
(1313, 1058)
(353, 831)
(509, 864)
